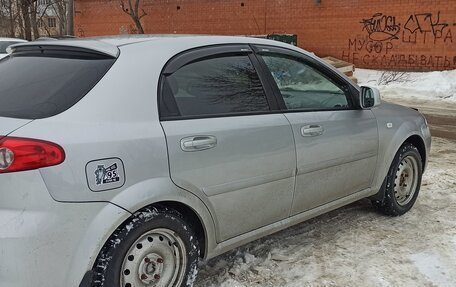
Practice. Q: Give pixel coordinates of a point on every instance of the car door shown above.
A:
(226, 137)
(336, 142)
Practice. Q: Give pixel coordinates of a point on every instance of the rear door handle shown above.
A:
(198, 143)
(312, 130)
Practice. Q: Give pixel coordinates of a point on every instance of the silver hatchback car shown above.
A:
(124, 161)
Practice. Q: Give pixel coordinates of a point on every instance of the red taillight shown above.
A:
(19, 154)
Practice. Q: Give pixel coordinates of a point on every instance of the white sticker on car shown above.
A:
(105, 174)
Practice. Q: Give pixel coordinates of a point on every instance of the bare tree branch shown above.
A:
(389, 77)
(133, 12)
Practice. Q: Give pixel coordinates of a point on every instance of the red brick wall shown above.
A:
(405, 34)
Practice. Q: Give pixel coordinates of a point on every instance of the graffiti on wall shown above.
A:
(381, 27)
(428, 26)
(381, 33)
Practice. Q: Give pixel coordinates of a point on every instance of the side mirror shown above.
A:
(369, 97)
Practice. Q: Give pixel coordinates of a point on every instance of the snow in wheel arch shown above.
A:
(123, 231)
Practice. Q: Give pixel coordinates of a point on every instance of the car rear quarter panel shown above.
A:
(117, 119)
(41, 238)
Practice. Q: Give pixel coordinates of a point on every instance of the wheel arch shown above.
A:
(159, 191)
(418, 142)
(191, 217)
(163, 192)
(413, 139)
(164, 207)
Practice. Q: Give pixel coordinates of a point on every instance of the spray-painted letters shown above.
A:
(428, 26)
(381, 27)
(382, 33)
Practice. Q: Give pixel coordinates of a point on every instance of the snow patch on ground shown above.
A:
(431, 266)
(439, 85)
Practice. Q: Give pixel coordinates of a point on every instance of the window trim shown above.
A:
(327, 72)
(207, 52)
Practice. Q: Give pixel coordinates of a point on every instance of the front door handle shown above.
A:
(312, 130)
(198, 143)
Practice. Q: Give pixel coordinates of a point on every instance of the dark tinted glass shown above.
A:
(4, 45)
(33, 87)
(218, 86)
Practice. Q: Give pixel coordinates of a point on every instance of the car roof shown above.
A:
(109, 45)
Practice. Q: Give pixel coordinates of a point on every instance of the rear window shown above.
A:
(34, 87)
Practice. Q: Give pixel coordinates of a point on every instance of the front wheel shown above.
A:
(156, 247)
(402, 182)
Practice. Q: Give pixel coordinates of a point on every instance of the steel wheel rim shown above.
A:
(406, 180)
(156, 259)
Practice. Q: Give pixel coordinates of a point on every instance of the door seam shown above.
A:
(296, 166)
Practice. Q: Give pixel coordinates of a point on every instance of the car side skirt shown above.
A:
(283, 224)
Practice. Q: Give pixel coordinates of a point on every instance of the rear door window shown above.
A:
(34, 86)
(216, 86)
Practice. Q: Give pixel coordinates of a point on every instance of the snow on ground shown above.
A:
(418, 87)
(355, 245)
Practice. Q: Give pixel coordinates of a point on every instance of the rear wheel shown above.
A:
(402, 182)
(155, 248)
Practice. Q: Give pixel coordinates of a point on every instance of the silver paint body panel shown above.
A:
(241, 189)
(337, 163)
(252, 165)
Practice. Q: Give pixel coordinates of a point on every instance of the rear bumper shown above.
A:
(44, 242)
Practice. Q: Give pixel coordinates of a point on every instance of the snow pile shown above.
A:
(421, 87)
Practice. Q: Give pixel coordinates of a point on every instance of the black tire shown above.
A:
(118, 249)
(391, 205)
